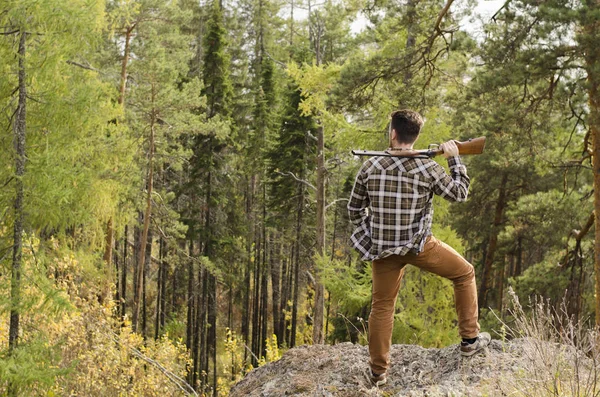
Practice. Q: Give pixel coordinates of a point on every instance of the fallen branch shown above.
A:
(179, 382)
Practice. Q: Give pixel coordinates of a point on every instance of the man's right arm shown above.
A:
(455, 187)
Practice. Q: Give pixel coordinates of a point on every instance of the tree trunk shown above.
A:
(147, 261)
(230, 307)
(519, 261)
(333, 239)
(411, 23)
(19, 129)
(144, 238)
(264, 298)
(123, 83)
(191, 299)
(163, 290)
(212, 330)
(296, 282)
(117, 297)
(589, 40)
(256, 302)
(290, 295)
(319, 289)
(124, 273)
(265, 274)
(492, 243)
(275, 265)
(199, 329)
(284, 293)
(124, 62)
(110, 232)
(211, 280)
(137, 244)
(160, 280)
(501, 272)
(247, 286)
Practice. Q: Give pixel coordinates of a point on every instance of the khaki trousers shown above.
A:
(438, 258)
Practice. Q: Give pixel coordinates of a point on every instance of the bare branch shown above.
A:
(441, 16)
(335, 202)
(283, 65)
(289, 173)
(253, 355)
(579, 234)
(493, 18)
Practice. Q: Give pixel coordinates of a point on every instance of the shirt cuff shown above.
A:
(454, 161)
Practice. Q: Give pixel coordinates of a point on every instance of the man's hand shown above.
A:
(450, 149)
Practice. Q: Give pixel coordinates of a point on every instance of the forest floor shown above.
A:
(339, 370)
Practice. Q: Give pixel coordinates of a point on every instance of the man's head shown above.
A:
(405, 126)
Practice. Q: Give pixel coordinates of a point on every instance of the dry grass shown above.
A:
(561, 355)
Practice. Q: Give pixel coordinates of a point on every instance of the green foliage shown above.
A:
(349, 285)
(32, 367)
(72, 149)
(216, 65)
(545, 218)
(290, 153)
(426, 315)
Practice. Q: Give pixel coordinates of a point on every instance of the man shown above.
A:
(391, 208)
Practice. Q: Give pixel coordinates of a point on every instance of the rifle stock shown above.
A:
(472, 146)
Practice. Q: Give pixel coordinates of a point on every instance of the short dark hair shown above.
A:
(407, 124)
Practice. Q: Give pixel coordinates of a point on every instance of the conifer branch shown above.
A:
(6, 251)
(8, 181)
(87, 67)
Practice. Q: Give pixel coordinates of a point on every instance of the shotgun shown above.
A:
(472, 146)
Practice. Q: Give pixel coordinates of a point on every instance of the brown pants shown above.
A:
(438, 258)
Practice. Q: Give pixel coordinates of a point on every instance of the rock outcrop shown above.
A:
(340, 370)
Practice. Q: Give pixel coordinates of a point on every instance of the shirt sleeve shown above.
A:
(359, 200)
(454, 187)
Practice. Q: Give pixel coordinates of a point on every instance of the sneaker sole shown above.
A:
(469, 354)
(375, 383)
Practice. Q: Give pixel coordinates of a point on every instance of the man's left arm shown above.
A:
(359, 201)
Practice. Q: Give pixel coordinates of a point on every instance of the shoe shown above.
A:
(376, 380)
(468, 349)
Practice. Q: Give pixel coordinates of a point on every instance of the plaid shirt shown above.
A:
(391, 202)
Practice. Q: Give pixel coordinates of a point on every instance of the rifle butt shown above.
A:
(472, 146)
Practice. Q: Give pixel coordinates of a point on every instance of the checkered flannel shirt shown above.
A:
(391, 202)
